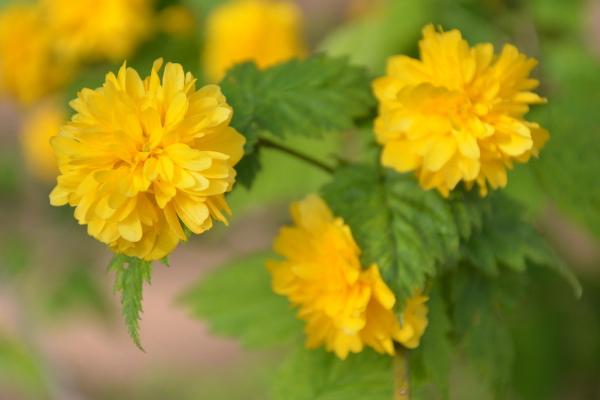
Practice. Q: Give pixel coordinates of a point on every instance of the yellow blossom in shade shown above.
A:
(457, 114)
(177, 20)
(29, 67)
(142, 157)
(39, 127)
(263, 31)
(345, 306)
(92, 29)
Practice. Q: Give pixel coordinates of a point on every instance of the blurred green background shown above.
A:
(61, 336)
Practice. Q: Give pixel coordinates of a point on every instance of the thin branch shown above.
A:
(267, 143)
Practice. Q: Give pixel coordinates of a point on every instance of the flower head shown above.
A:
(345, 306)
(457, 114)
(91, 29)
(142, 157)
(29, 66)
(263, 31)
(40, 126)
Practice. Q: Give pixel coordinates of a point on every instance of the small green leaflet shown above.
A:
(308, 97)
(405, 230)
(237, 301)
(318, 375)
(130, 275)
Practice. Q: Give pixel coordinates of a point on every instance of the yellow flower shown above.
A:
(29, 67)
(457, 114)
(139, 158)
(177, 20)
(91, 29)
(345, 306)
(263, 31)
(43, 124)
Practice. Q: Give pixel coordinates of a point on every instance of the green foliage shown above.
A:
(405, 230)
(77, 289)
(319, 375)
(130, 275)
(300, 177)
(569, 165)
(370, 40)
(431, 360)
(309, 97)
(15, 256)
(482, 333)
(237, 301)
(20, 370)
(506, 239)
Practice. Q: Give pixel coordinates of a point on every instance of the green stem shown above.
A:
(268, 143)
(401, 378)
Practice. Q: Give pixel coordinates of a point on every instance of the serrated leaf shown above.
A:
(507, 240)
(236, 300)
(319, 375)
(308, 97)
(130, 275)
(482, 332)
(431, 360)
(405, 230)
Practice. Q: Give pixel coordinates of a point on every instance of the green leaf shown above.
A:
(405, 230)
(431, 360)
(318, 375)
(130, 275)
(506, 239)
(308, 97)
(236, 300)
(248, 168)
(478, 305)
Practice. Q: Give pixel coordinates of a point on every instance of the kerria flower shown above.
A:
(457, 114)
(39, 127)
(140, 159)
(91, 29)
(263, 31)
(29, 66)
(345, 306)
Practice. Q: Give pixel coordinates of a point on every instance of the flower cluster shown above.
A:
(345, 306)
(457, 114)
(90, 29)
(141, 157)
(42, 43)
(29, 65)
(263, 31)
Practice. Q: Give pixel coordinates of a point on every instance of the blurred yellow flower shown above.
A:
(92, 29)
(177, 20)
(345, 306)
(29, 67)
(457, 114)
(263, 31)
(139, 158)
(39, 127)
